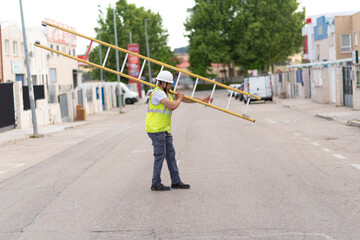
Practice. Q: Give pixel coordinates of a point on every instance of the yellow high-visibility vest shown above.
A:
(158, 118)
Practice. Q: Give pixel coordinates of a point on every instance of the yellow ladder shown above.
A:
(56, 27)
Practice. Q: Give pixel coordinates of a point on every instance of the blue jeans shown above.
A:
(163, 148)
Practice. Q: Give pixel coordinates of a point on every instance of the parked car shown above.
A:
(234, 85)
(239, 95)
(130, 97)
(260, 86)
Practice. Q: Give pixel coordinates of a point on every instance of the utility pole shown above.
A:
(101, 71)
(30, 85)
(117, 60)
(147, 48)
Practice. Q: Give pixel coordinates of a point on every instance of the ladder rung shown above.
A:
(142, 69)
(213, 90)
(246, 107)
(87, 53)
(228, 104)
(193, 92)
(177, 81)
(124, 63)
(106, 56)
(71, 41)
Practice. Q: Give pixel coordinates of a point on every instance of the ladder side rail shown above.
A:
(37, 44)
(152, 60)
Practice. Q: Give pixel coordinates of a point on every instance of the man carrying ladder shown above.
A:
(158, 128)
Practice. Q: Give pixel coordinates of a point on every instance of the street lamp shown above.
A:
(101, 71)
(147, 48)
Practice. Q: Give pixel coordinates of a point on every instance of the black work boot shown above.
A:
(160, 187)
(180, 185)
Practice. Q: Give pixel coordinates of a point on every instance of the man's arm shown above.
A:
(205, 99)
(173, 105)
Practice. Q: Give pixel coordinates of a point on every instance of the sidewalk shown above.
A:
(17, 135)
(343, 115)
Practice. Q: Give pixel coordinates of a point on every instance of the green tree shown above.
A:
(273, 32)
(130, 18)
(210, 33)
(253, 33)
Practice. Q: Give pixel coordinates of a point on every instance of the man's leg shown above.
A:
(170, 159)
(158, 142)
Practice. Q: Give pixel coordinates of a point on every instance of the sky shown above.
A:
(82, 14)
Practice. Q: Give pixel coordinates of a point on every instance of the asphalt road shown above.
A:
(287, 176)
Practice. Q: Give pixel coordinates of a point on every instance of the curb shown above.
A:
(353, 123)
(325, 117)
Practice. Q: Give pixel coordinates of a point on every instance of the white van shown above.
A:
(129, 96)
(260, 86)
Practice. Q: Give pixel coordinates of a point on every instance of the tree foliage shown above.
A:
(130, 18)
(250, 33)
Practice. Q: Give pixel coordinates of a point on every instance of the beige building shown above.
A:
(347, 35)
(13, 66)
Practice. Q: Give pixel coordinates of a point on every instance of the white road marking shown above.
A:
(325, 149)
(178, 162)
(339, 156)
(270, 121)
(297, 134)
(315, 144)
(357, 166)
(306, 139)
(19, 165)
(1, 172)
(287, 121)
(138, 151)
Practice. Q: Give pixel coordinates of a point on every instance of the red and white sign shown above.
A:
(60, 36)
(134, 64)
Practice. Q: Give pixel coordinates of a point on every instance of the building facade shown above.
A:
(13, 66)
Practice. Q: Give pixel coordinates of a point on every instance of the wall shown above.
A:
(343, 25)
(38, 57)
(356, 29)
(12, 32)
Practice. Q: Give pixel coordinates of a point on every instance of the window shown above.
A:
(57, 48)
(74, 52)
(52, 47)
(358, 78)
(345, 43)
(7, 46)
(320, 30)
(355, 39)
(15, 48)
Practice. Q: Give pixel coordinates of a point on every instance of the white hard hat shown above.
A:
(165, 76)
